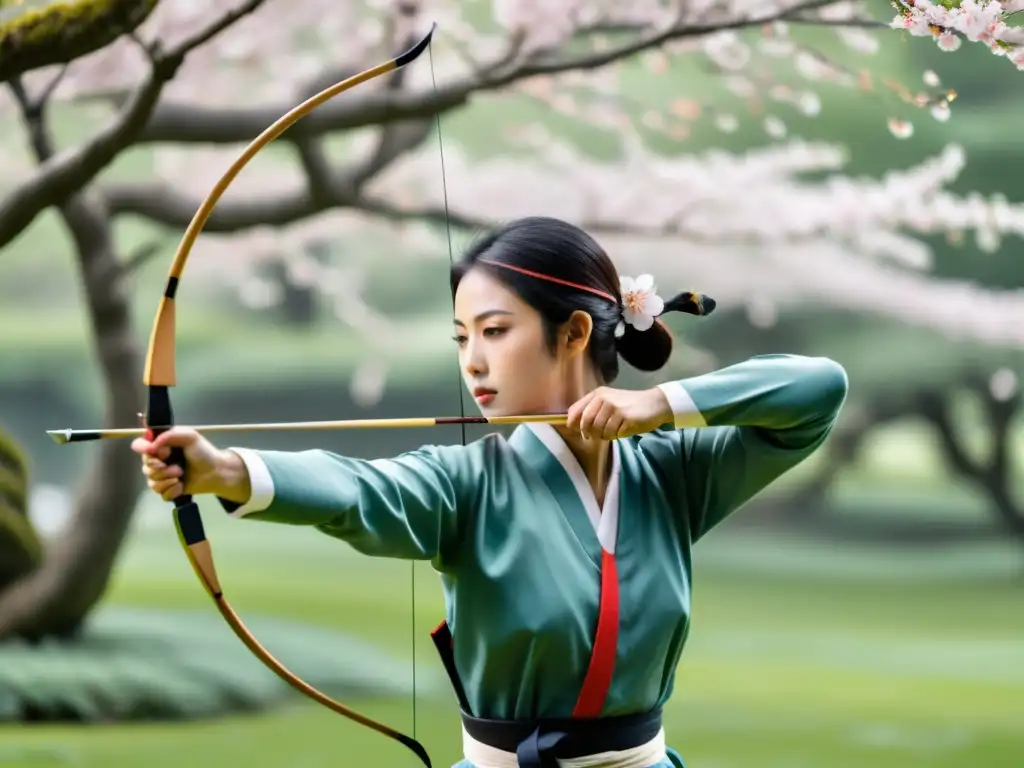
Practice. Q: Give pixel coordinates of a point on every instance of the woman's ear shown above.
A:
(576, 332)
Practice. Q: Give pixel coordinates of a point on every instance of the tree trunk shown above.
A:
(299, 303)
(991, 475)
(809, 501)
(76, 567)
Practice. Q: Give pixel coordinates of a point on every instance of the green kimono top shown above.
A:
(518, 539)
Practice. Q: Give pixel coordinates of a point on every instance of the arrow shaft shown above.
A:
(62, 436)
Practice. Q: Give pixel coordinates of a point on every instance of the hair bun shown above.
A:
(649, 350)
(646, 350)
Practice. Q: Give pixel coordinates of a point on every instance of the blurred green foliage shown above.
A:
(152, 665)
(799, 654)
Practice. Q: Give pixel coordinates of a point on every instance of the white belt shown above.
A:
(644, 756)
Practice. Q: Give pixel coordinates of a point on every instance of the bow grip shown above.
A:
(186, 511)
(177, 459)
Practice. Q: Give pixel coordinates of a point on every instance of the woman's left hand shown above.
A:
(609, 414)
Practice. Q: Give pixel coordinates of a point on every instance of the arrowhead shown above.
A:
(59, 436)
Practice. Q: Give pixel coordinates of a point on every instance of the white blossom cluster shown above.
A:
(768, 228)
(782, 223)
(752, 224)
(978, 21)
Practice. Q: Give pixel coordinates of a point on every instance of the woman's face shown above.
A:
(505, 361)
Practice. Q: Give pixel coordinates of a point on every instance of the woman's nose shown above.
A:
(473, 361)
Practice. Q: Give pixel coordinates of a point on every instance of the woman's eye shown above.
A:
(494, 331)
(460, 340)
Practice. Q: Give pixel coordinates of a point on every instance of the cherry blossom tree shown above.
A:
(189, 82)
(950, 22)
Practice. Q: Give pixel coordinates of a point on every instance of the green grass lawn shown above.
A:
(799, 656)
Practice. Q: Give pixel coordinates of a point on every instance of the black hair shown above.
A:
(560, 251)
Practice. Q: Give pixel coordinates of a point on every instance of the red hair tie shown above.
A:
(639, 303)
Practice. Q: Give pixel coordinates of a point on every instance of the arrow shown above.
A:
(63, 436)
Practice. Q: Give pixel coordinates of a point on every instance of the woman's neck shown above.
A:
(593, 454)
(594, 457)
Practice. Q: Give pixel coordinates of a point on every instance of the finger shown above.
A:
(168, 490)
(161, 484)
(607, 412)
(614, 427)
(572, 420)
(577, 408)
(149, 448)
(164, 473)
(175, 437)
(142, 446)
(150, 464)
(588, 416)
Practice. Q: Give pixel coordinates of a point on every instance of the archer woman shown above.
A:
(564, 552)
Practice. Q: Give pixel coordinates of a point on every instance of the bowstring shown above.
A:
(462, 403)
(448, 230)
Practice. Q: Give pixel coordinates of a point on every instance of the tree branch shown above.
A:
(179, 122)
(498, 79)
(937, 408)
(395, 138)
(993, 477)
(326, 188)
(432, 214)
(143, 254)
(214, 28)
(182, 124)
(438, 215)
(164, 205)
(317, 167)
(64, 173)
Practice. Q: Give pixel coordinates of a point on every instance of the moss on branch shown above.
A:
(21, 551)
(41, 34)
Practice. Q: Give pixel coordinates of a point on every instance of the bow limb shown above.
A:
(159, 376)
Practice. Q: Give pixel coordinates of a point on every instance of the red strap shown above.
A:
(602, 659)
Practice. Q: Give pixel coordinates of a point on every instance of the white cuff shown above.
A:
(260, 481)
(683, 408)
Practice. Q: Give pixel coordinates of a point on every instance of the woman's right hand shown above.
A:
(208, 467)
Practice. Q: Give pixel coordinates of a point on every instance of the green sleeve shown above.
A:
(405, 507)
(744, 426)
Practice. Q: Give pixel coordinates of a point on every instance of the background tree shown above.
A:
(178, 85)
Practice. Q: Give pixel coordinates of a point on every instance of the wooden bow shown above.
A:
(159, 377)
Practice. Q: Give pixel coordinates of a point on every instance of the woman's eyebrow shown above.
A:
(484, 315)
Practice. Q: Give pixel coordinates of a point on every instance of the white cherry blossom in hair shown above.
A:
(640, 303)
